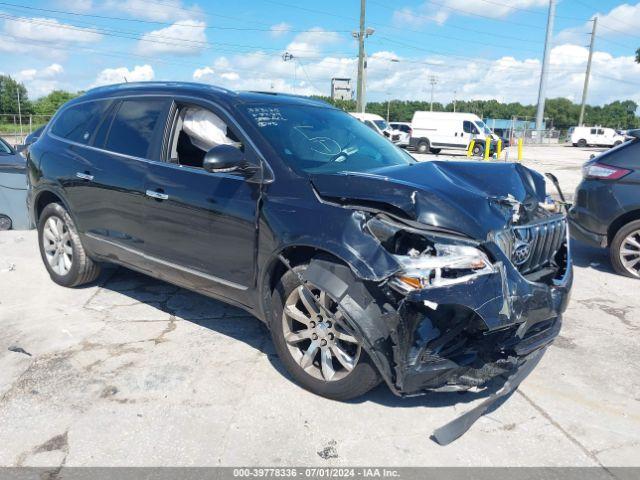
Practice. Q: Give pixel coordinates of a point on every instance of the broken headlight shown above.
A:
(439, 266)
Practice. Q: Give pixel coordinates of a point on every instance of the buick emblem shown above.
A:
(521, 253)
(522, 246)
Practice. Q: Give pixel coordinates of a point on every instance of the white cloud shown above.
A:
(312, 42)
(165, 11)
(50, 30)
(186, 37)
(280, 29)
(427, 12)
(42, 81)
(506, 79)
(109, 76)
(620, 21)
(202, 73)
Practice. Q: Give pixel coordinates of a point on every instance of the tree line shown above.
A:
(11, 90)
(560, 113)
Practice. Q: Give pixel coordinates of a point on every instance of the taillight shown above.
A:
(603, 171)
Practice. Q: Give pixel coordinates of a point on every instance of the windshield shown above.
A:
(5, 148)
(382, 125)
(323, 140)
(483, 128)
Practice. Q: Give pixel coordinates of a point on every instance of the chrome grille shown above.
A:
(535, 245)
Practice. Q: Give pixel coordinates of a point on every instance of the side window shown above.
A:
(134, 125)
(370, 124)
(600, 131)
(78, 122)
(196, 131)
(593, 131)
(468, 127)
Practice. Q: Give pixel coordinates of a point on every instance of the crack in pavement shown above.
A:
(562, 430)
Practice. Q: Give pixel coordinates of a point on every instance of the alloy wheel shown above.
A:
(321, 346)
(630, 253)
(56, 241)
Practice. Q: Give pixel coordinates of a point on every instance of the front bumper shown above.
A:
(455, 337)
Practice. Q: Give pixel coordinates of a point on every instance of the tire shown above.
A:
(75, 268)
(362, 378)
(621, 241)
(618, 143)
(435, 151)
(478, 150)
(582, 143)
(423, 146)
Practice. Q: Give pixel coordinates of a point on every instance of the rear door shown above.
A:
(124, 144)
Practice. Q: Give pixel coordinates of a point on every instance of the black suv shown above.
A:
(607, 205)
(364, 263)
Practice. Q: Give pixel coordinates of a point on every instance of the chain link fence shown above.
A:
(14, 128)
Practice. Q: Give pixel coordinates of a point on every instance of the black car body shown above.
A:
(448, 273)
(606, 212)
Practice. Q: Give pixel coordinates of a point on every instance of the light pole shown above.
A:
(433, 80)
(588, 74)
(545, 67)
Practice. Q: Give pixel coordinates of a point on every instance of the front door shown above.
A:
(200, 225)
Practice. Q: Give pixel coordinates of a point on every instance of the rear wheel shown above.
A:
(625, 250)
(423, 146)
(315, 348)
(582, 143)
(62, 252)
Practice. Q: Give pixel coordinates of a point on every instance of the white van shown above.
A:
(433, 131)
(378, 124)
(596, 136)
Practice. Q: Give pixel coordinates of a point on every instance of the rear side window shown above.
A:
(134, 125)
(78, 122)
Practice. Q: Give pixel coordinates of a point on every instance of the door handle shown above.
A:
(84, 176)
(157, 195)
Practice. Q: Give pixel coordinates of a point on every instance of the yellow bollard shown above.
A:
(499, 152)
(487, 148)
(470, 149)
(519, 149)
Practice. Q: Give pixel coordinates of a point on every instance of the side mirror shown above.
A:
(224, 158)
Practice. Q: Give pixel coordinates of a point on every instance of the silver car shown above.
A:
(13, 189)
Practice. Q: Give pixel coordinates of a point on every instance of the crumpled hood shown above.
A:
(472, 198)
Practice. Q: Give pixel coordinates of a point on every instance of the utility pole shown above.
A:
(588, 74)
(455, 94)
(287, 57)
(545, 66)
(360, 36)
(433, 80)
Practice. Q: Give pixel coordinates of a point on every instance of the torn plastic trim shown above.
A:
(459, 426)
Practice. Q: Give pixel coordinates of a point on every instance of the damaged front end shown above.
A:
(458, 311)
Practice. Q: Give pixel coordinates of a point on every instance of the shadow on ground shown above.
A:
(242, 326)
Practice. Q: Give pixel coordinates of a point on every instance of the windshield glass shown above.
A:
(483, 128)
(4, 148)
(382, 125)
(323, 140)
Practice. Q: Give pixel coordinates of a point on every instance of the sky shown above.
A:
(480, 49)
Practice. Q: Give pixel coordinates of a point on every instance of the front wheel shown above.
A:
(582, 143)
(62, 252)
(315, 348)
(478, 150)
(617, 143)
(423, 146)
(625, 250)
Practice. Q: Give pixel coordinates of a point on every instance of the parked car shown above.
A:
(607, 205)
(379, 125)
(13, 189)
(365, 263)
(433, 131)
(595, 136)
(404, 131)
